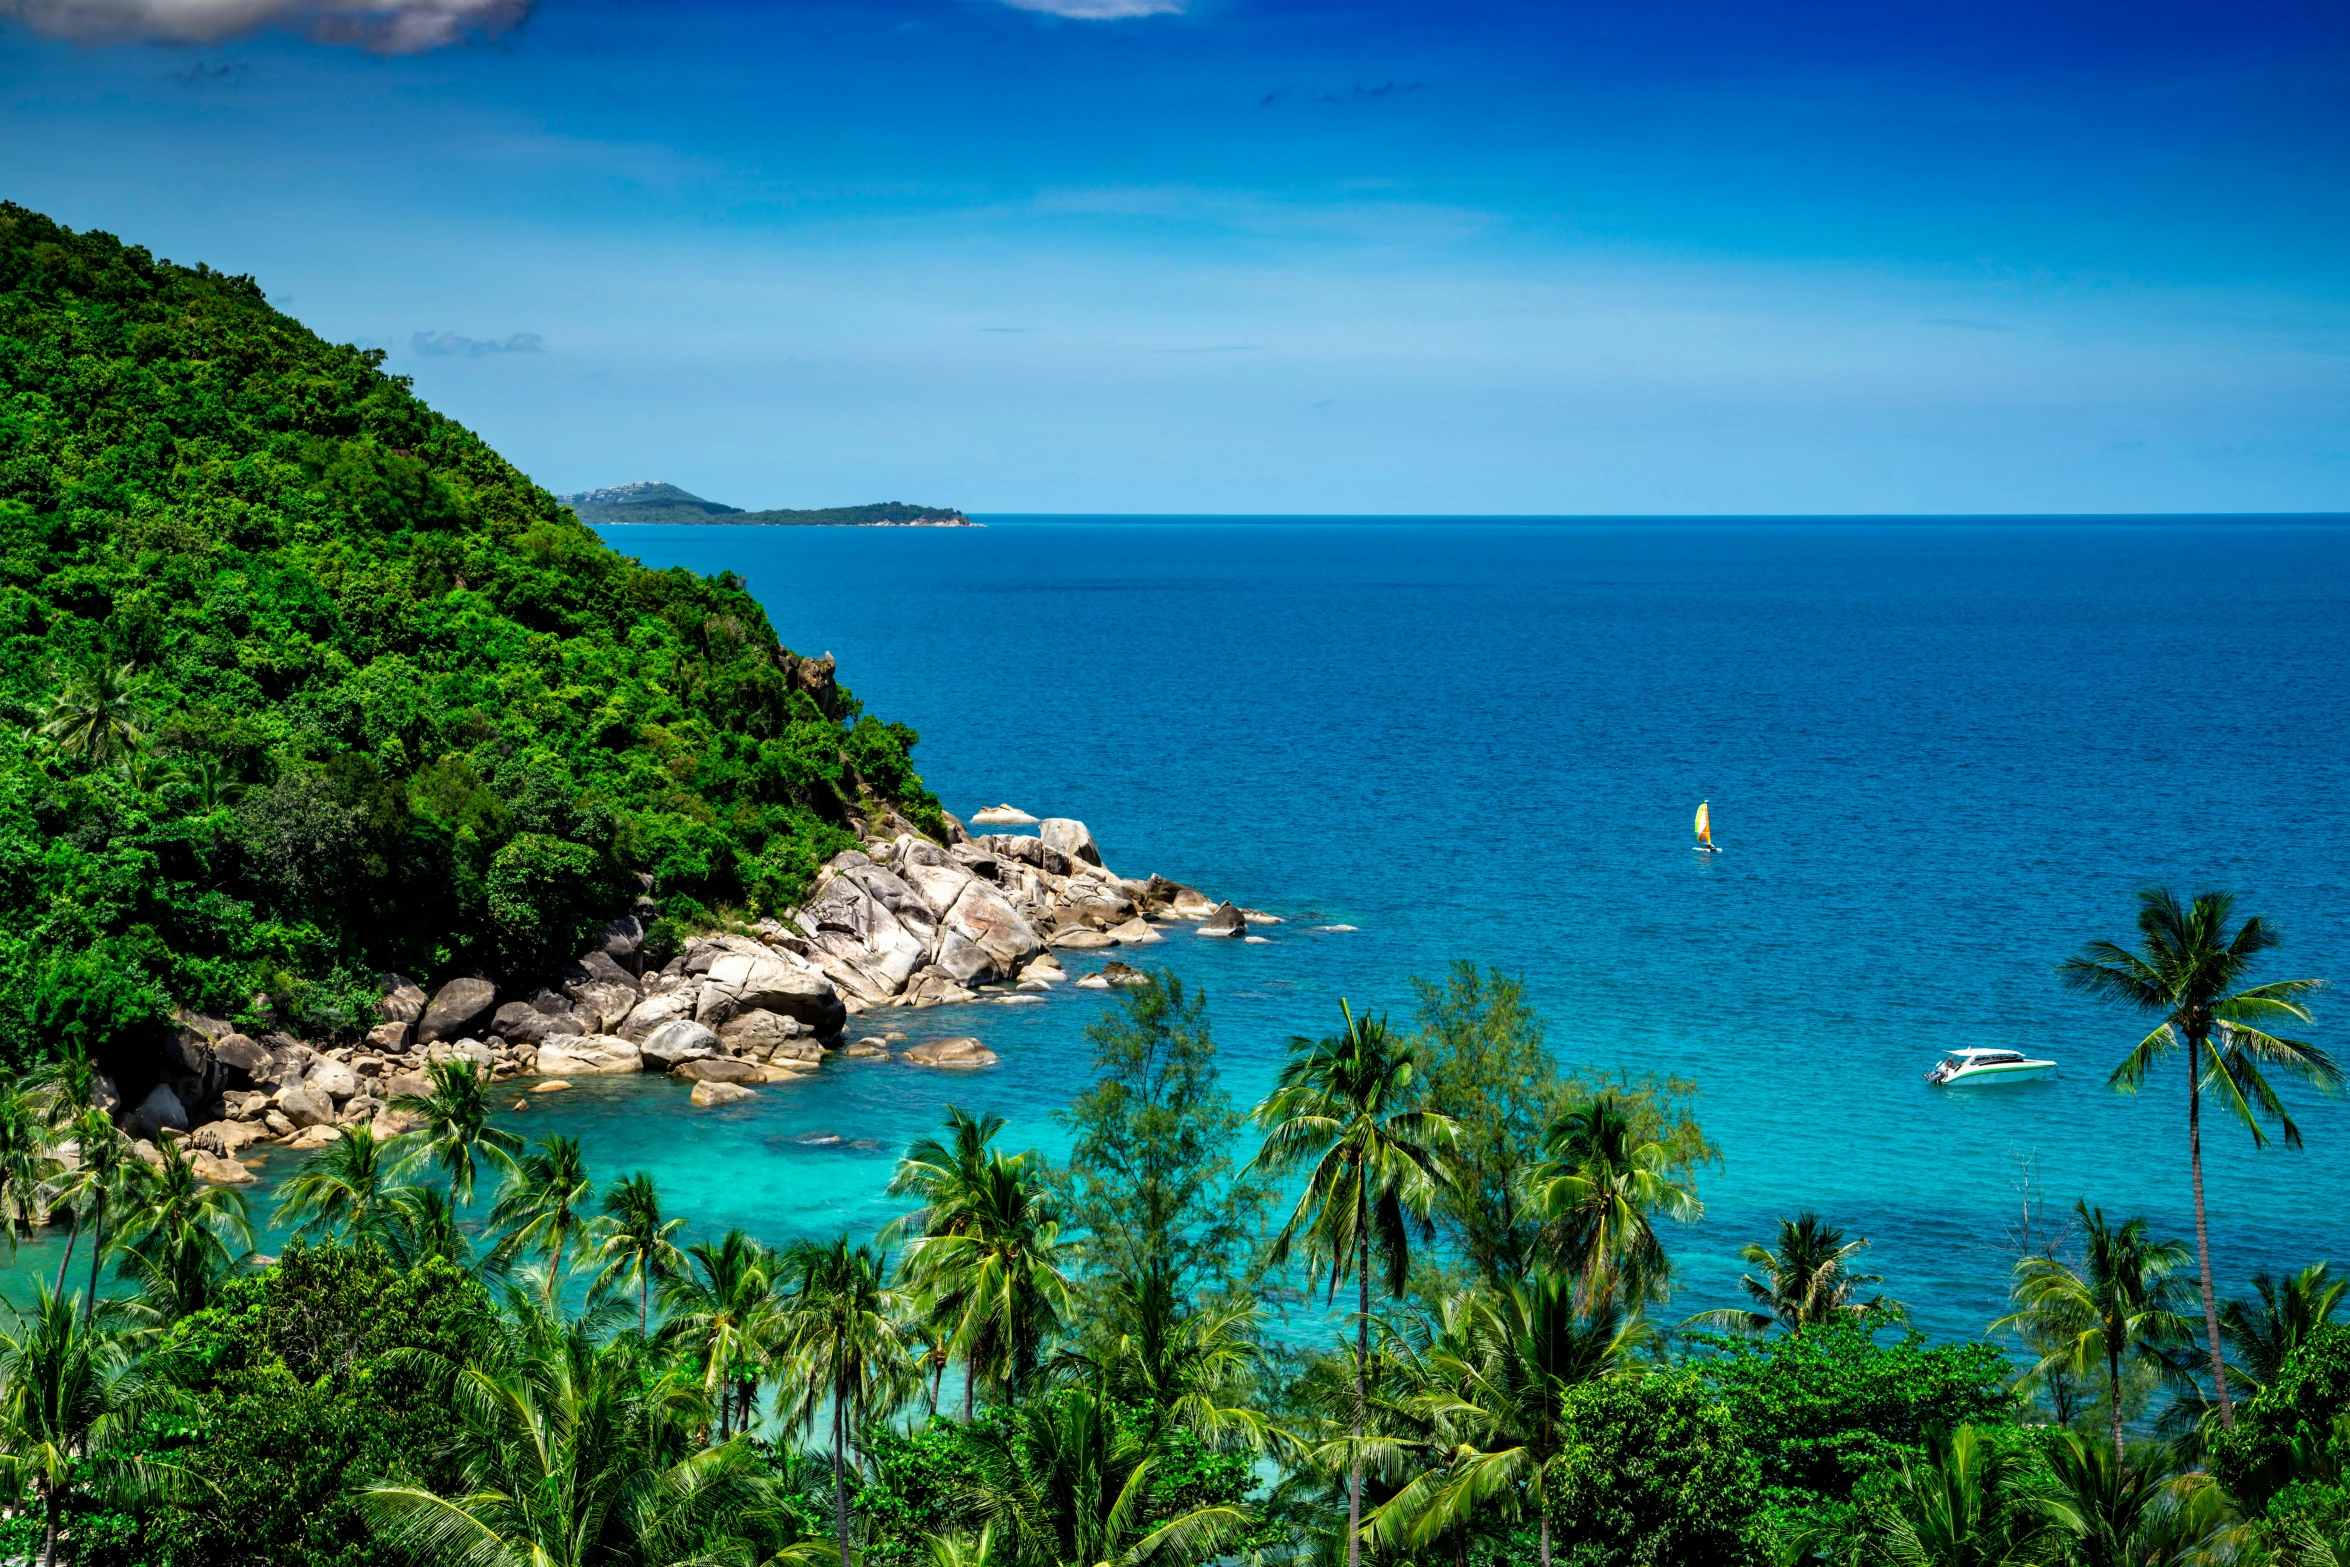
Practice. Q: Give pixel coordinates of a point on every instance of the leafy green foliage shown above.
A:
(301, 676)
(1659, 1474)
(315, 1377)
(1826, 1410)
(2291, 1441)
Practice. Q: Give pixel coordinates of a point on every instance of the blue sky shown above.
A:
(1264, 255)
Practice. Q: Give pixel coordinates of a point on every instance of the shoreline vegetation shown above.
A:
(651, 501)
(473, 1351)
(310, 691)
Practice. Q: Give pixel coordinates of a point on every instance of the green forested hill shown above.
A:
(300, 680)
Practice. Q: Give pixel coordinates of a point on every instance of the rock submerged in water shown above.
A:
(958, 1051)
(710, 1094)
(1226, 921)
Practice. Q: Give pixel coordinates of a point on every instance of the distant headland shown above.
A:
(653, 501)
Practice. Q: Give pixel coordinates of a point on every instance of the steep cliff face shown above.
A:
(303, 682)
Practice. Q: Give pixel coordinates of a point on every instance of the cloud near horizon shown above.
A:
(381, 26)
(1100, 10)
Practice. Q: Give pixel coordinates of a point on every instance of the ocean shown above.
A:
(1940, 755)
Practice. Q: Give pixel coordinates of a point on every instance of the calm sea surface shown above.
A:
(1939, 754)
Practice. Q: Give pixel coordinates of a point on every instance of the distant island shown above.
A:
(653, 501)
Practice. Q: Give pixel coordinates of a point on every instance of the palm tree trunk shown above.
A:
(554, 1268)
(2113, 1385)
(97, 1253)
(1544, 1529)
(644, 1302)
(73, 1233)
(840, 1483)
(1354, 1468)
(49, 1537)
(2219, 1367)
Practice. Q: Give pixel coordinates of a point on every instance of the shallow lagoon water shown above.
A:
(1939, 755)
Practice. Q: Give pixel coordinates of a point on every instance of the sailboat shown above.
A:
(1705, 831)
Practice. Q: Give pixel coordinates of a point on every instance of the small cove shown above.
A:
(1940, 755)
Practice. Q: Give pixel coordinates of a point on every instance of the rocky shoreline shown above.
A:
(906, 922)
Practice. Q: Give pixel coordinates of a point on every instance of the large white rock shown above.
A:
(305, 1106)
(332, 1078)
(771, 982)
(959, 1053)
(674, 1043)
(705, 1095)
(653, 1011)
(589, 1055)
(983, 917)
(1070, 837)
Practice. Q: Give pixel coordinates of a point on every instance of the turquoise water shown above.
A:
(1940, 755)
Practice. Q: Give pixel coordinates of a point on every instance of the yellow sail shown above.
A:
(1705, 827)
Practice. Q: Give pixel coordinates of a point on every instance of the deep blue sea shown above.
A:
(1940, 755)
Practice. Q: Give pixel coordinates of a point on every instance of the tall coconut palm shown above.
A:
(723, 1307)
(998, 1273)
(944, 1175)
(1603, 1180)
(346, 1191)
(1807, 1279)
(97, 712)
(180, 1236)
(1346, 1110)
(457, 1135)
(1503, 1385)
(2122, 1307)
(840, 1330)
(2190, 974)
(89, 1190)
(635, 1243)
(68, 1386)
(1193, 1370)
(543, 1207)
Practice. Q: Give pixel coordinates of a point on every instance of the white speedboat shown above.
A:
(1988, 1066)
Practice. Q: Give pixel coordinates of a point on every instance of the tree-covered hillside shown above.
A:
(301, 680)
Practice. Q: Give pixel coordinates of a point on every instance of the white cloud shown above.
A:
(385, 26)
(1100, 10)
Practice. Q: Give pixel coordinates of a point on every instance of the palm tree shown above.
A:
(2123, 1306)
(421, 1224)
(1807, 1279)
(841, 1330)
(347, 1191)
(635, 1243)
(2191, 975)
(2289, 1312)
(96, 712)
(68, 1385)
(943, 1175)
(542, 1206)
(724, 1306)
(997, 1271)
(180, 1236)
(1061, 1480)
(456, 1132)
(1954, 1508)
(28, 1160)
(1503, 1383)
(2116, 1510)
(1603, 1178)
(1347, 1106)
(1189, 1369)
(88, 1191)
(578, 1453)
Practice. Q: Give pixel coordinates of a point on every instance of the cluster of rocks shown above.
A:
(905, 922)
